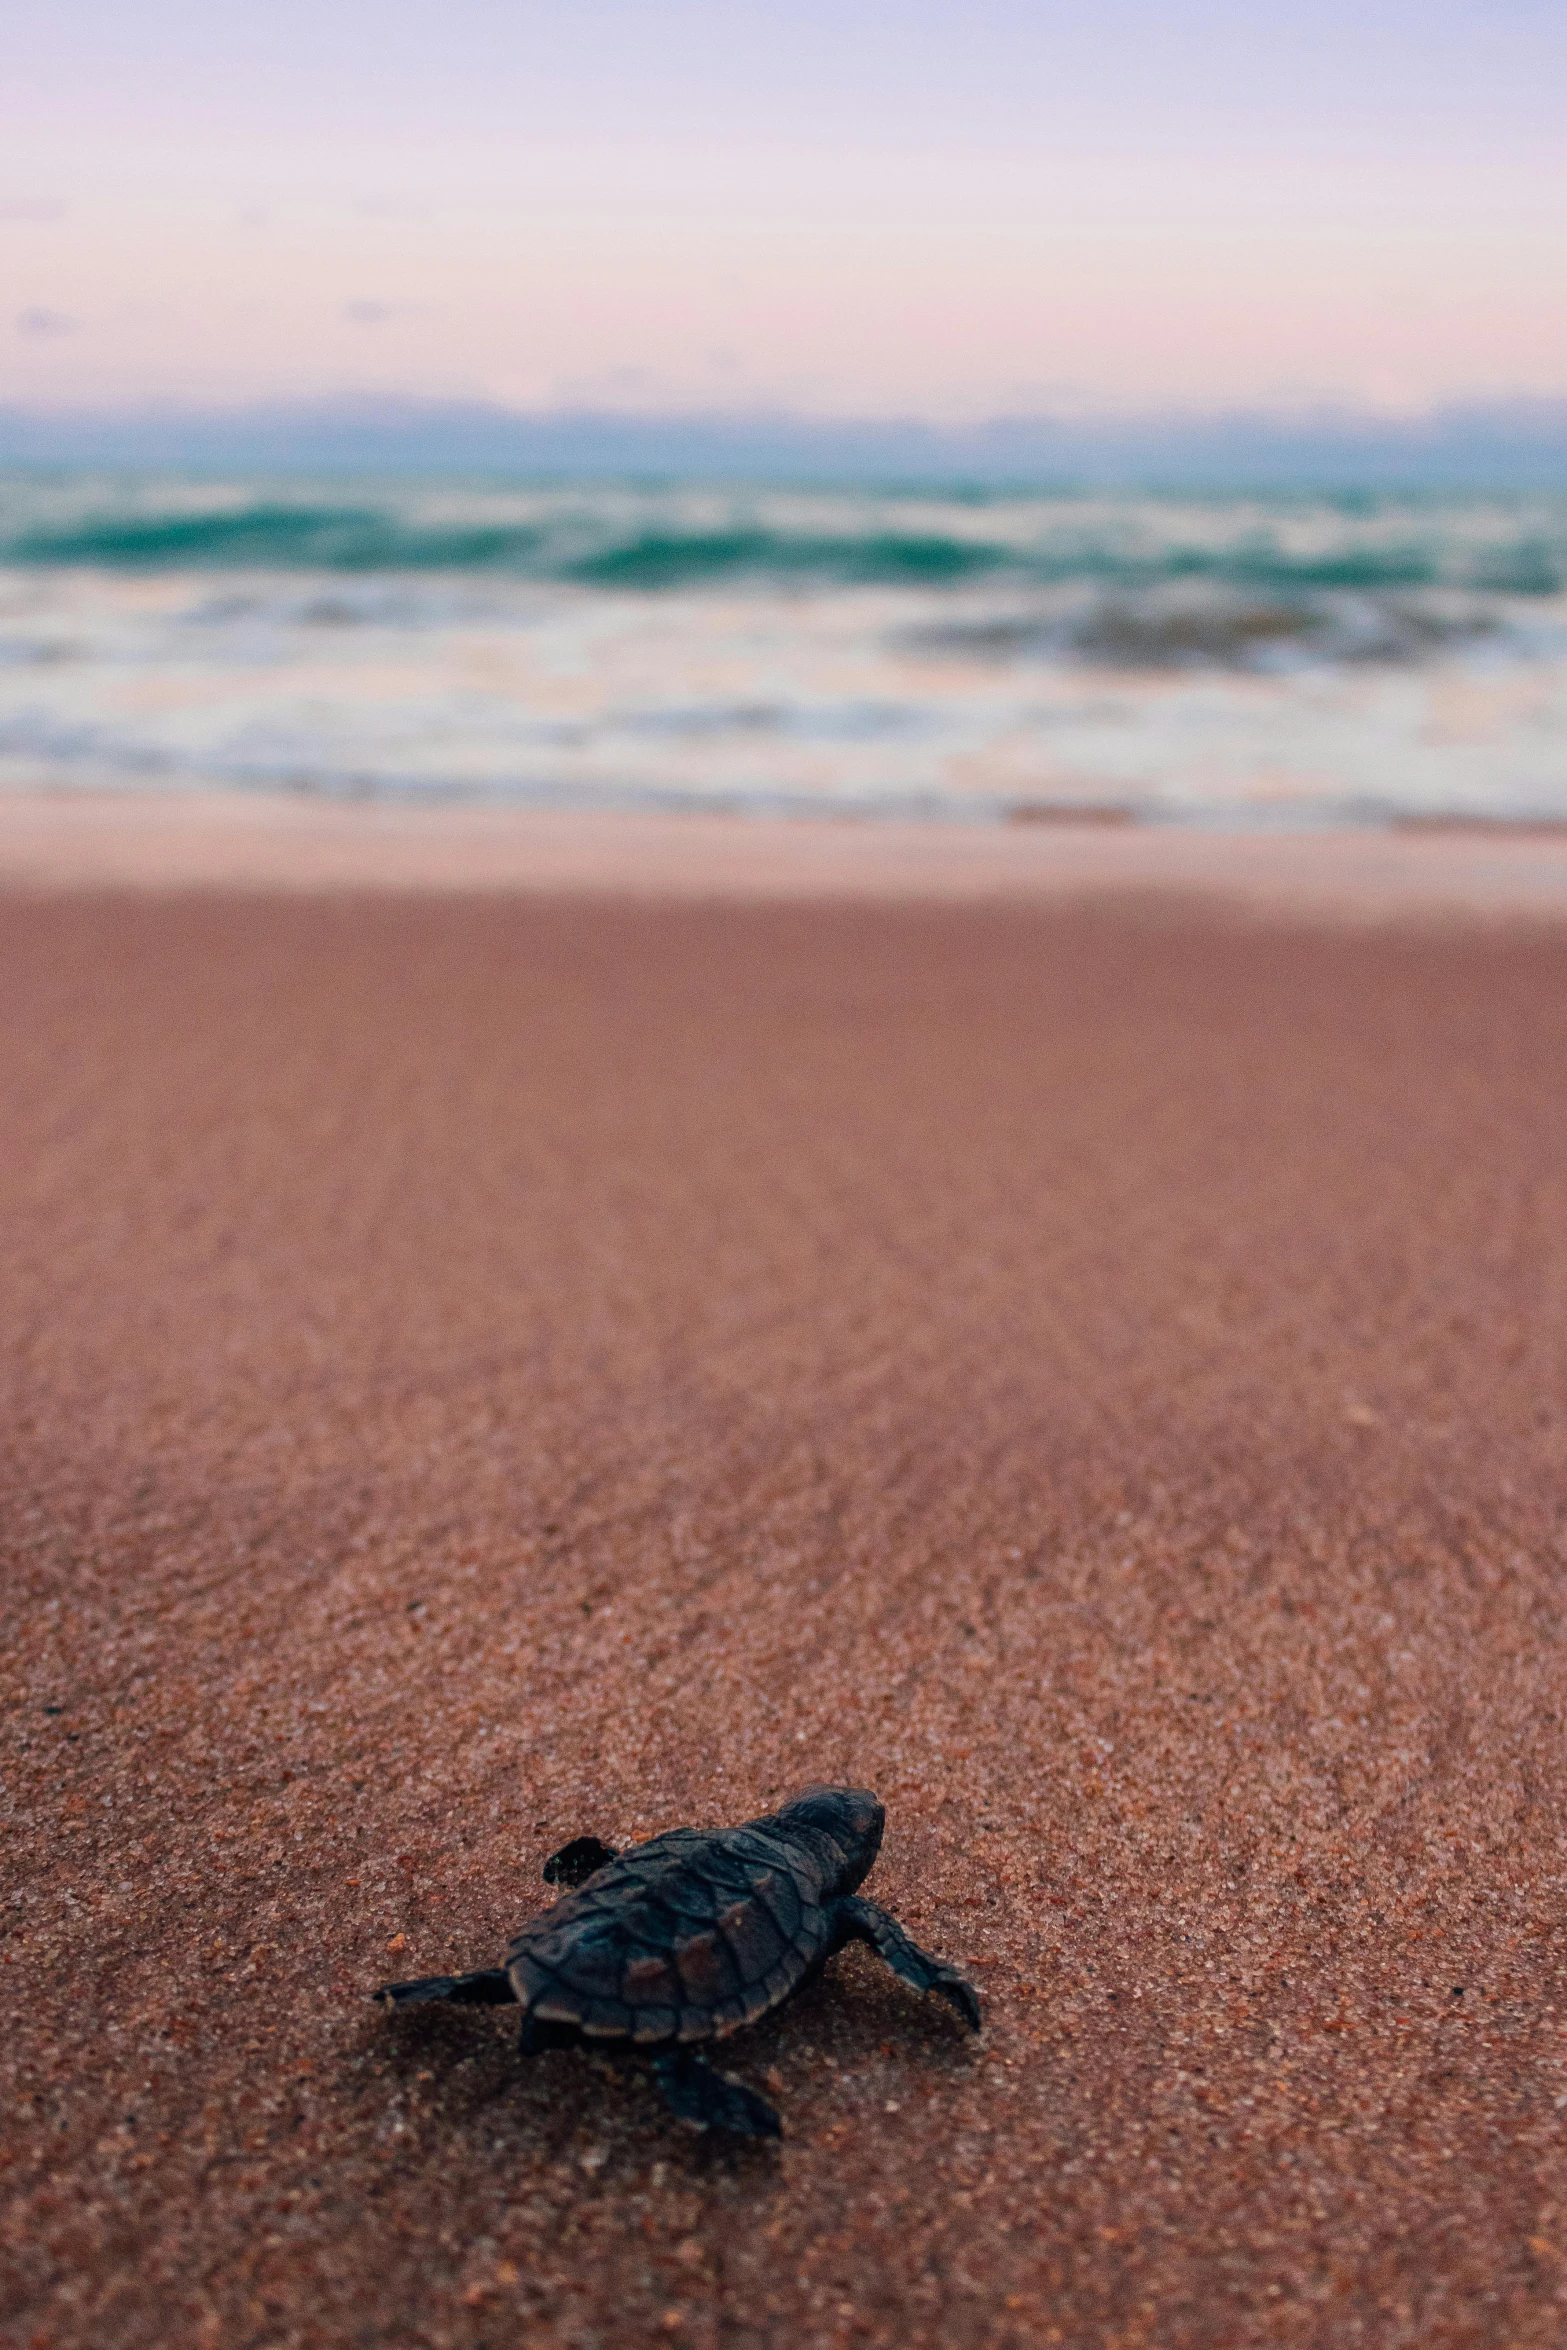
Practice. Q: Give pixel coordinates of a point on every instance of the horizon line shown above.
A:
(1516, 442)
(1067, 413)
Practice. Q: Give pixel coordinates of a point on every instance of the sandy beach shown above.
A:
(509, 1331)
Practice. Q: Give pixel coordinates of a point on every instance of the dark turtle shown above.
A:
(679, 1941)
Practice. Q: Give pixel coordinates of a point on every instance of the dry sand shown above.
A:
(479, 1369)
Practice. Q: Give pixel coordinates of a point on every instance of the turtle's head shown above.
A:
(851, 1820)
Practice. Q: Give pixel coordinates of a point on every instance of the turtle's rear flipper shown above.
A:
(698, 2094)
(491, 1987)
(862, 1921)
(577, 1861)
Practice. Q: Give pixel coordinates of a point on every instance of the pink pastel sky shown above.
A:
(846, 209)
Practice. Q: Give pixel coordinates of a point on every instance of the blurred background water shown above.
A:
(1284, 659)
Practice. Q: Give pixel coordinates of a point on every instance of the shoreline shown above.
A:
(54, 839)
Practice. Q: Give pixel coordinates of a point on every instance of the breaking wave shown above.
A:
(658, 541)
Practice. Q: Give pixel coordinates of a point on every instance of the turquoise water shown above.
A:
(1285, 659)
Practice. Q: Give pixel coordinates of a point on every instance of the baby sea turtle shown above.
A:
(677, 1942)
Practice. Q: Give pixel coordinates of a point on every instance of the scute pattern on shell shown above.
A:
(683, 1938)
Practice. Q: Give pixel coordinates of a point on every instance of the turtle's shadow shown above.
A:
(597, 2110)
(854, 2020)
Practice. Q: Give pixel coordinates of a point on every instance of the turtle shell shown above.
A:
(683, 1938)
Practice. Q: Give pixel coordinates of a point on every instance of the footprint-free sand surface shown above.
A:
(51, 839)
(481, 1368)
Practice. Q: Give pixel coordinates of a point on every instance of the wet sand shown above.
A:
(476, 1369)
(203, 840)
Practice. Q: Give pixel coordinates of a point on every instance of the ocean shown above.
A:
(1282, 660)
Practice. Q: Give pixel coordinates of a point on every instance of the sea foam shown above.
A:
(1284, 659)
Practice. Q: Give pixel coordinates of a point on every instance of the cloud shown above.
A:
(45, 322)
(370, 313)
(24, 208)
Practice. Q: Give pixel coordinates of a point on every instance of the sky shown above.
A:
(840, 207)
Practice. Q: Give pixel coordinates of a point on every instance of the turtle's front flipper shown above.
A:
(491, 1987)
(577, 1861)
(698, 2094)
(861, 1921)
